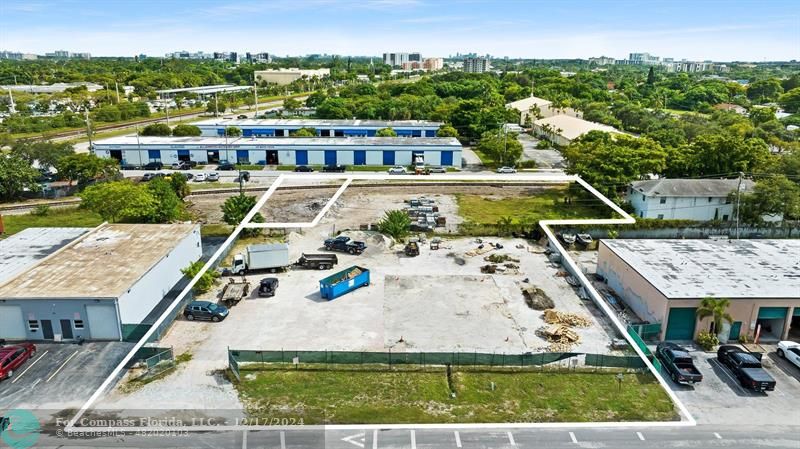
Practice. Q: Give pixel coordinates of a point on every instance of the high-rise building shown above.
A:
(477, 65)
(643, 59)
(432, 64)
(398, 59)
(258, 57)
(415, 57)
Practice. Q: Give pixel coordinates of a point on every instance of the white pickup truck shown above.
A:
(790, 351)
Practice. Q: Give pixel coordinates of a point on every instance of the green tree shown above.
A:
(47, 153)
(764, 91)
(180, 185)
(304, 132)
(16, 176)
(156, 129)
(206, 281)
(119, 201)
(503, 148)
(233, 131)
(235, 208)
(718, 154)
(446, 130)
(291, 105)
(717, 309)
(168, 206)
(85, 167)
(395, 223)
(762, 115)
(186, 131)
(611, 162)
(790, 101)
(651, 77)
(216, 106)
(385, 132)
(775, 195)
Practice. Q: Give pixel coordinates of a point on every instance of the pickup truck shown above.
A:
(317, 261)
(345, 244)
(746, 367)
(678, 363)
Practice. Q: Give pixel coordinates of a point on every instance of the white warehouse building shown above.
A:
(132, 150)
(324, 127)
(106, 283)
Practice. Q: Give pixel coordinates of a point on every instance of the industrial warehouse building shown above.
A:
(324, 128)
(663, 281)
(444, 151)
(95, 284)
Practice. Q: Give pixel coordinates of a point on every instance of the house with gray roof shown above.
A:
(686, 199)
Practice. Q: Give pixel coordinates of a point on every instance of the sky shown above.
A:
(719, 30)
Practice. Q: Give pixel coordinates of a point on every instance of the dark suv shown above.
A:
(153, 166)
(334, 168)
(226, 166)
(205, 310)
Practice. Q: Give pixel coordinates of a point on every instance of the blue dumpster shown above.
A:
(343, 282)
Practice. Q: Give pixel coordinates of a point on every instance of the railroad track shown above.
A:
(59, 203)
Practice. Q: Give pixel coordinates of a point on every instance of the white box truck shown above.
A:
(268, 256)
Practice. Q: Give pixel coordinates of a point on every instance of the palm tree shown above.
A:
(717, 308)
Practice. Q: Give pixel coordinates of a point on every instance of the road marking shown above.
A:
(458, 438)
(639, 434)
(719, 437)
(62, 366)
(36, 383)
(359, 436)
(511, 439)
(413, 440)
(375, 439)
(283, 440)
(30, 366)
(572, 437)
(244, 439)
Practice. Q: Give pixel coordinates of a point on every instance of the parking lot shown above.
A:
(61, 376)
(720, 399)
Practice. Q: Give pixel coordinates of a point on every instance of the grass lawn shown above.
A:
(253, 167)
(215, 230)
(211, 185)
(382, 396)
(65, 217)
(544, 205)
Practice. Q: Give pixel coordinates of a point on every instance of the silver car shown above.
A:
(506, 170)
(214, 176)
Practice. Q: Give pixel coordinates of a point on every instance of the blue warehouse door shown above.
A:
(447, 158)
(220, 131)
(360, 157)
(388, 157)
(330, 157)
(154, 155)
(301, 157)
(430, 133)
(772, 313)
(681, 322)
(242, 157)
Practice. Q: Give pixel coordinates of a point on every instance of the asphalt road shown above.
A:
(655, 437)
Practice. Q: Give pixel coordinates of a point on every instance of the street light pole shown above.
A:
(88, 127)
(255, 95)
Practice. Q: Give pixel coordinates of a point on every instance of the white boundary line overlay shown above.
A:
(542, 177)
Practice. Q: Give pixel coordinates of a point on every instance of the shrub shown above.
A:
(395, 224)
(526, 164)
(186, 130)
(543, 144)
(41, 210)
(707, 340)
(157, 129)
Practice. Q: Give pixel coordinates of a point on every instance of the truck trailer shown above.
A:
(269, 256)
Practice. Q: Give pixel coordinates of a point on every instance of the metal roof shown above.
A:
(524, 105)
(691, 187)
(573, 127)
(306, 142)
(318, 122)
(206, 89)
(27, 247)
(103, 263)
(735, 269)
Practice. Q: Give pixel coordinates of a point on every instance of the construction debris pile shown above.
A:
(559, 333)
(424, 214)
(536, 298)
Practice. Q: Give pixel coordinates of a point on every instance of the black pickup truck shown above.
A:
(317, 261)
(345, 244)
(746, 367)
(678, 363)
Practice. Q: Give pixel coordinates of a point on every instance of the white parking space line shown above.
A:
(375, 439)
(36, 383)
(458, 438)
(572, 437)
(283, 439)
(717, 435)
(511, 439)
(244, 439)
(413, 440)
(639, 434)
(30, 366)
(62, 366)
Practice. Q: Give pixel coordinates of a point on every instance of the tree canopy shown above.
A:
(156, 129)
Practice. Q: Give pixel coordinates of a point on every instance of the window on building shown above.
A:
(710, 199)
(724, 218)
(78, 324)
(641, 214)
(33, 325)
(644, 198)
(660, 216)
(662, 201)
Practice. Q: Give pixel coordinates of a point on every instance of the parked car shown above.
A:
(200, 177)
(678, 363)
(153, 166)
(226, 166)
(334, 168)
(303, 169)
(205, 310)
(213, 176)
(267, 287)
(790, 351)
(241, 116)
(148, 176)
(746, 367)
(14, 356)
(130, 167)
(345, 244)
(506, 170)
(437, 169)
(243, 176)
(397, 170)
(182, 165)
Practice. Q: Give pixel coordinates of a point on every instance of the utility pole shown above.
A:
(166, 106)
(216, 105)
(12, 108)
(88, 127)
(255, 95)
(116, 87)
(738, 196)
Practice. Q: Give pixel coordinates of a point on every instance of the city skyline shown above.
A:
(566, 30)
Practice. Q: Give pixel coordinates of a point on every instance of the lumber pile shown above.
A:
(553, 316)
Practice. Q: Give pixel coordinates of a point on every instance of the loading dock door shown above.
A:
(388, 157)
(301, 157)
(772, 313)
(680, 325)
(360, 157)
(102, 322)
(330, 157)
(447, 158)
(11, 324)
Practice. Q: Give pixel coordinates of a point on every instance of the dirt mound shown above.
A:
(536, 298)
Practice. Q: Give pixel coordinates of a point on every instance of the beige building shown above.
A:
(663, 281)
(433, 64)
(562, 129)
(283, 77)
